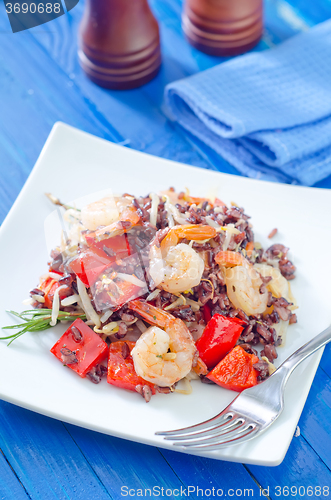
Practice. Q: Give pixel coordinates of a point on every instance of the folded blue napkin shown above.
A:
(267, 113)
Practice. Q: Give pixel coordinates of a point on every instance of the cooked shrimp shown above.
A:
(278, 286)
(128, 217)
(164, 353)
(115, 215)
(100, 213)
(105, 212)
(243, 288)
(243, 283)
(176, 267)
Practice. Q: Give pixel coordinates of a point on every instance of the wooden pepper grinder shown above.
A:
(119, 43)
(223, 27)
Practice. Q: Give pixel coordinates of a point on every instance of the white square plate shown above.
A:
(73, 164)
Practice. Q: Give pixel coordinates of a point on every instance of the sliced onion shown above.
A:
(28, 302)
(55, 276)
(68, 301)
(230, 231)
(141, 325)
(56, 305)
(281, 329)
(188, 388)
(181, 301)
(195, 306)
(129, 323)
(153, 212)
(38, 298)
(153, 295)
(106, 316)
(173, 212)
(87, 306)
(167, 205)
(107, 329)
(226, 241)
(131, 279)
(170, 207)
(271, 367)
(192, 375)
(211, 222)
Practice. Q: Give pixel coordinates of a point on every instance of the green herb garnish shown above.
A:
(37, 320)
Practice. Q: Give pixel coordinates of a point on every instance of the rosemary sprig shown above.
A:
(36, 320)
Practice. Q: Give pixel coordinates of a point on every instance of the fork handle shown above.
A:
(303, 352)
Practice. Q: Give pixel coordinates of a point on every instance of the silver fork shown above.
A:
(250, 413)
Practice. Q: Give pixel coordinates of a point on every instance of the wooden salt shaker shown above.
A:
(223, 27)
(119, 43)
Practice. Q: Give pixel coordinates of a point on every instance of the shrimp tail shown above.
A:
(170, 240)
(196, 231)
(151, 314)
(189, 232)
(230, 259)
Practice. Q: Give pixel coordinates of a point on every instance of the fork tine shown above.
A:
(227, 424)
(221, 443)
(207, 424)
(237, 429)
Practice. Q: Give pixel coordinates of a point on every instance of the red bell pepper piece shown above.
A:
(93, 261)
(121, 370)
(124, 292)
(117, 245)
(128, 291)
(88, 265)
(219, 337)
(80, 348)
(206, 313)
(235, 371)
(48, 286)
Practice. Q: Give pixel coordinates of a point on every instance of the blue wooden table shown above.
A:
(41, 83)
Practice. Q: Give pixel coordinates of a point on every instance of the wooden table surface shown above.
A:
(41, 83)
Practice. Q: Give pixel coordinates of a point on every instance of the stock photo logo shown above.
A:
(26, 14)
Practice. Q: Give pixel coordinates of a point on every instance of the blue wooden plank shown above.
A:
(120, 463)
(139, 467)
(45, 458)
(325, 183)
(326, 360)
(14, 171)
(315, 422)
(302, 468)
(10, 487)
(207, 473)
